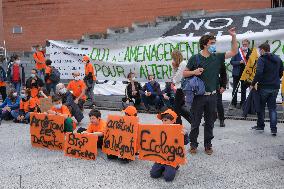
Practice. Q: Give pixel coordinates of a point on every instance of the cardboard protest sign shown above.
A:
(162, 144)
(120, 136)
(45, 104)
(47, 131)
(82, 146)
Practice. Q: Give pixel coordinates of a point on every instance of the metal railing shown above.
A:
(277, 3)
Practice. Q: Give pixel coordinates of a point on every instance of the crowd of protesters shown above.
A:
(195, 91)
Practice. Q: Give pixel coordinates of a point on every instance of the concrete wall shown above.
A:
(70, 19)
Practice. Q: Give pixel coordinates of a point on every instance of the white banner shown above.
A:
(153, 56)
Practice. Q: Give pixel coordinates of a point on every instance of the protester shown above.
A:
(167, 171)
(169, 95)
(62, 110)
(34, 83)
(179, 65)
(89, 79)
(68, 100)
(269, 71)
(16, 74)
(50, 82)
(39, 58)
(78, 88)
(3, 79)
(133, 90)
(239, 62)
(12, 102)
(97, 126)
(27, 105)
(208, 70)
(129, 111)
(151, 93)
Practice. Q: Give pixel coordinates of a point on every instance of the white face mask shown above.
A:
(15, 94)
(63, 91)
(134, 78)
(77, 78)
(58, 106)
(17, 61)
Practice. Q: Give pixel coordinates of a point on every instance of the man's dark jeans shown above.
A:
(151, 100)
(268, 96)
(220, 107)
(208, 105)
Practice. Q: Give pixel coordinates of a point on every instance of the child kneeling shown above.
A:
(62, 110)
(96, 126)
(167, 171)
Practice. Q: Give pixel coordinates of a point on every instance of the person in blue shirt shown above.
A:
(12, 102)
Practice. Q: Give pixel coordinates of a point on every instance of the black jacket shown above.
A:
(252, 103)
(129, 89)
(37, 84)
(269, 71)
(68, 100)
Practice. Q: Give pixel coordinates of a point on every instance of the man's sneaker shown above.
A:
(273, 133)
(232, 107)
(192, 150)
(257, 128)
(222, 123)
(209, 151)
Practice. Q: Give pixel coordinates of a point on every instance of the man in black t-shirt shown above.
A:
(208, 70)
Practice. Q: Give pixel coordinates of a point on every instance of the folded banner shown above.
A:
(47, 131)
(250, 69)
(162, 144)
(115, 60)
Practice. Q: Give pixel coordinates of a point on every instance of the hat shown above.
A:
(130, 110)
(85, 58)
(168, 111)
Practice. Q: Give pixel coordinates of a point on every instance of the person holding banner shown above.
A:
(78, 88)
(167, 171)
(269, 71)
(62, 110)
(208, 70)
(96, 126)
(239, 62)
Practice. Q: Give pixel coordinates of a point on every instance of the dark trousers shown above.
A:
(3, 92)
(268, 96)
(220, 107)
(5, 115)
(137, 100)
(51, 86)
(167, 171)
(200, 104)
(151, 100)
(180, 108)
(244, 86)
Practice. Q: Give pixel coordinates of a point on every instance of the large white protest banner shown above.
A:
(153, 56)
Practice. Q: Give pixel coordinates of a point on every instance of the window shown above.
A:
(17, 29)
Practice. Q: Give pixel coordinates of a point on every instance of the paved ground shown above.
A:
(241, 159)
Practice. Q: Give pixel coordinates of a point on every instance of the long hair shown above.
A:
(177, 56)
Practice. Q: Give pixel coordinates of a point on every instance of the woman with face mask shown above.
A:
(132, 91)
(34, 83)
(78, 88)
(12, 102)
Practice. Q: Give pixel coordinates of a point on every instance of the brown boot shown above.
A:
(209, 151)
(192, 150)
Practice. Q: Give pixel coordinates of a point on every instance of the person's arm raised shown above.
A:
(234, 44)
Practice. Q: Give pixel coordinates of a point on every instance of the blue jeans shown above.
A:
(15, 114)
(151, 100)
(17, 86)
(268, 96)
(167, 171)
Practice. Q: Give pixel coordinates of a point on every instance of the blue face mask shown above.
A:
(32, 75)
(23, 96)
(212, 49)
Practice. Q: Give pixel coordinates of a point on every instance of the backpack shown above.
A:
(54, 75)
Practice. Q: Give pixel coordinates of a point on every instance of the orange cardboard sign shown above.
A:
(162, 144)
(45, 104)
(120, 136)
(47, 131)
(82, 146)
